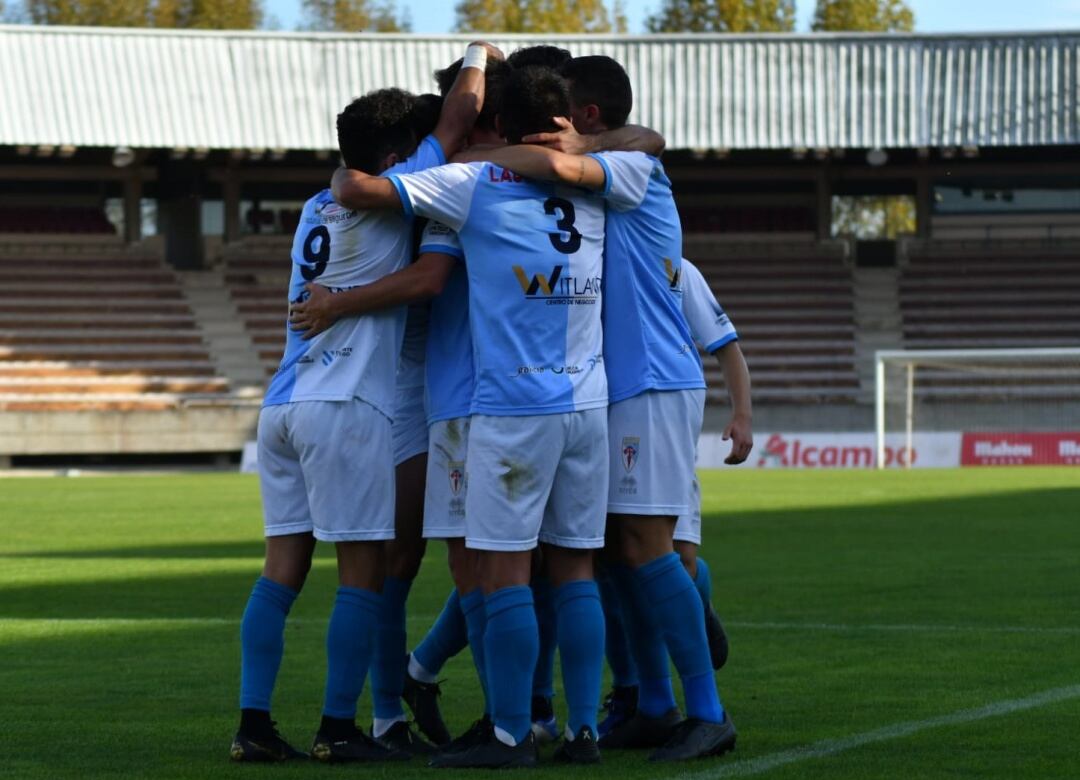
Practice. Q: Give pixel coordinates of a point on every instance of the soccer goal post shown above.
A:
(933, 390)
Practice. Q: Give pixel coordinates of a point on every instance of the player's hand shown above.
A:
(493, 51)
(739, 433)
(315, 314)
(566, 139)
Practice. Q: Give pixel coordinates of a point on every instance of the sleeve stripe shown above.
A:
(443, 249)
(403, 193)
(437, 147)
(722, 342)
(607, 173)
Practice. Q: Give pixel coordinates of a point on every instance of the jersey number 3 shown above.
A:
(318, 258)
(565, 224)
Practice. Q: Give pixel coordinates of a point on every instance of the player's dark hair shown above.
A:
(426, 112)
(546, 56)
(495, 74)
(531, 98)
(375, 125)
(601, 81)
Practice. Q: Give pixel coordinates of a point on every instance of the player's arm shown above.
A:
(630, 138)
(463, 102)
(420, 281)
(737, 380)
(358, 190)
(543, 164)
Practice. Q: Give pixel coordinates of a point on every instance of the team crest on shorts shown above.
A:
(631, 445)
(457, 476)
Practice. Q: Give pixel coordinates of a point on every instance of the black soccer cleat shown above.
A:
(423, 701)
(474, 735)
(619, 706)
(491, 753)
(714, 631)
(544, 725)
(581, 749)
(353, 746)
(641, 731)
(269, 747)
(400, 736)
(697, 739)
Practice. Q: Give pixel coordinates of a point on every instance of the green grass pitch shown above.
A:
(854, 600)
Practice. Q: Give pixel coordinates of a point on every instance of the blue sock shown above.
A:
(703, 582)
(544, 676)
(511, 645)
(616, 646)
(581, 648)
(646, 640)
(472, 606)
(349, 646)
(447, 637)
(389, 661)
(676, 607)
(262, 641)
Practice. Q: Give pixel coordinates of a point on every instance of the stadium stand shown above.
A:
(793, 305)
(52, 220)
(257, 276)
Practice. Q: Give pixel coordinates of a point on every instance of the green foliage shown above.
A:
(873, 216)
(539, 16)
(201, 14)
(354, 16)
(863, 16)
(731, 16)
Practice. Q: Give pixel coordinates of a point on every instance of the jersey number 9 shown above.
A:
(318, 258)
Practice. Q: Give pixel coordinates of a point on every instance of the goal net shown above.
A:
(977, 407)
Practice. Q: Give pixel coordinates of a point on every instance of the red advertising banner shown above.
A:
(1020, 449)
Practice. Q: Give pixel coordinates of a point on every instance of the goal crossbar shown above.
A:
(912, 357)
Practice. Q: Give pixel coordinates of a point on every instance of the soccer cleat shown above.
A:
(718, 644)
(263, 747)
(491, 753)
(423, 701)
(581, 749)
(544, 725)
(641, 731)
(474, 735)
(697, 739)
(620, 705)
(400, 736)
(355, 746)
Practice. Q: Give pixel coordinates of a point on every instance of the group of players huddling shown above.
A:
(524, 385)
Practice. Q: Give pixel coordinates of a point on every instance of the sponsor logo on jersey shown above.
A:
(498, 175)
(673, 273)
(456, 473)
(330, 355)
(631, 447)
(555, 288)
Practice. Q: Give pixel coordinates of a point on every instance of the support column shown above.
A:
(924, 193)
(823, 193)
(133, 188)
(230, 195)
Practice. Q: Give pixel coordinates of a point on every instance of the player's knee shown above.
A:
(568, 565)
(688, 555)
(644, 538)
(288, 559)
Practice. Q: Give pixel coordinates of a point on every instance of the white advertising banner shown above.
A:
(834, 450)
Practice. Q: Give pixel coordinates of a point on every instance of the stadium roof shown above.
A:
(255, 90)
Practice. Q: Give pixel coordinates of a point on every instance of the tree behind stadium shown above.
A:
(863, 16)
(202, 14)
(539, 16)
(354, 16)
(728, 16)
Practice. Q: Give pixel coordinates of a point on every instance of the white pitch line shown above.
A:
(904, 627)
(830, 747)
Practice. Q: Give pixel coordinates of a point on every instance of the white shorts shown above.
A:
(444, 497)
(688, 526)
(652, 440)
(410, 428)
(323, 470)
(537, 478)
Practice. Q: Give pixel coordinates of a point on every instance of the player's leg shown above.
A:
(572, 532)
(350, 493)
(621, 702)
(658, 432)
(289, 546)
(512, 462)
(545, 725)
(687, 540)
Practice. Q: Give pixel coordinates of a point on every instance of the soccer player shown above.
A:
(325, 426)
(657, 392)
(536, 455)
(713, 332)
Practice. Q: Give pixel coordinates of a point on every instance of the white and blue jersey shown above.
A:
(342, 248)
(648, 344)
(709, 325)
(449, 365)
(534, 257)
